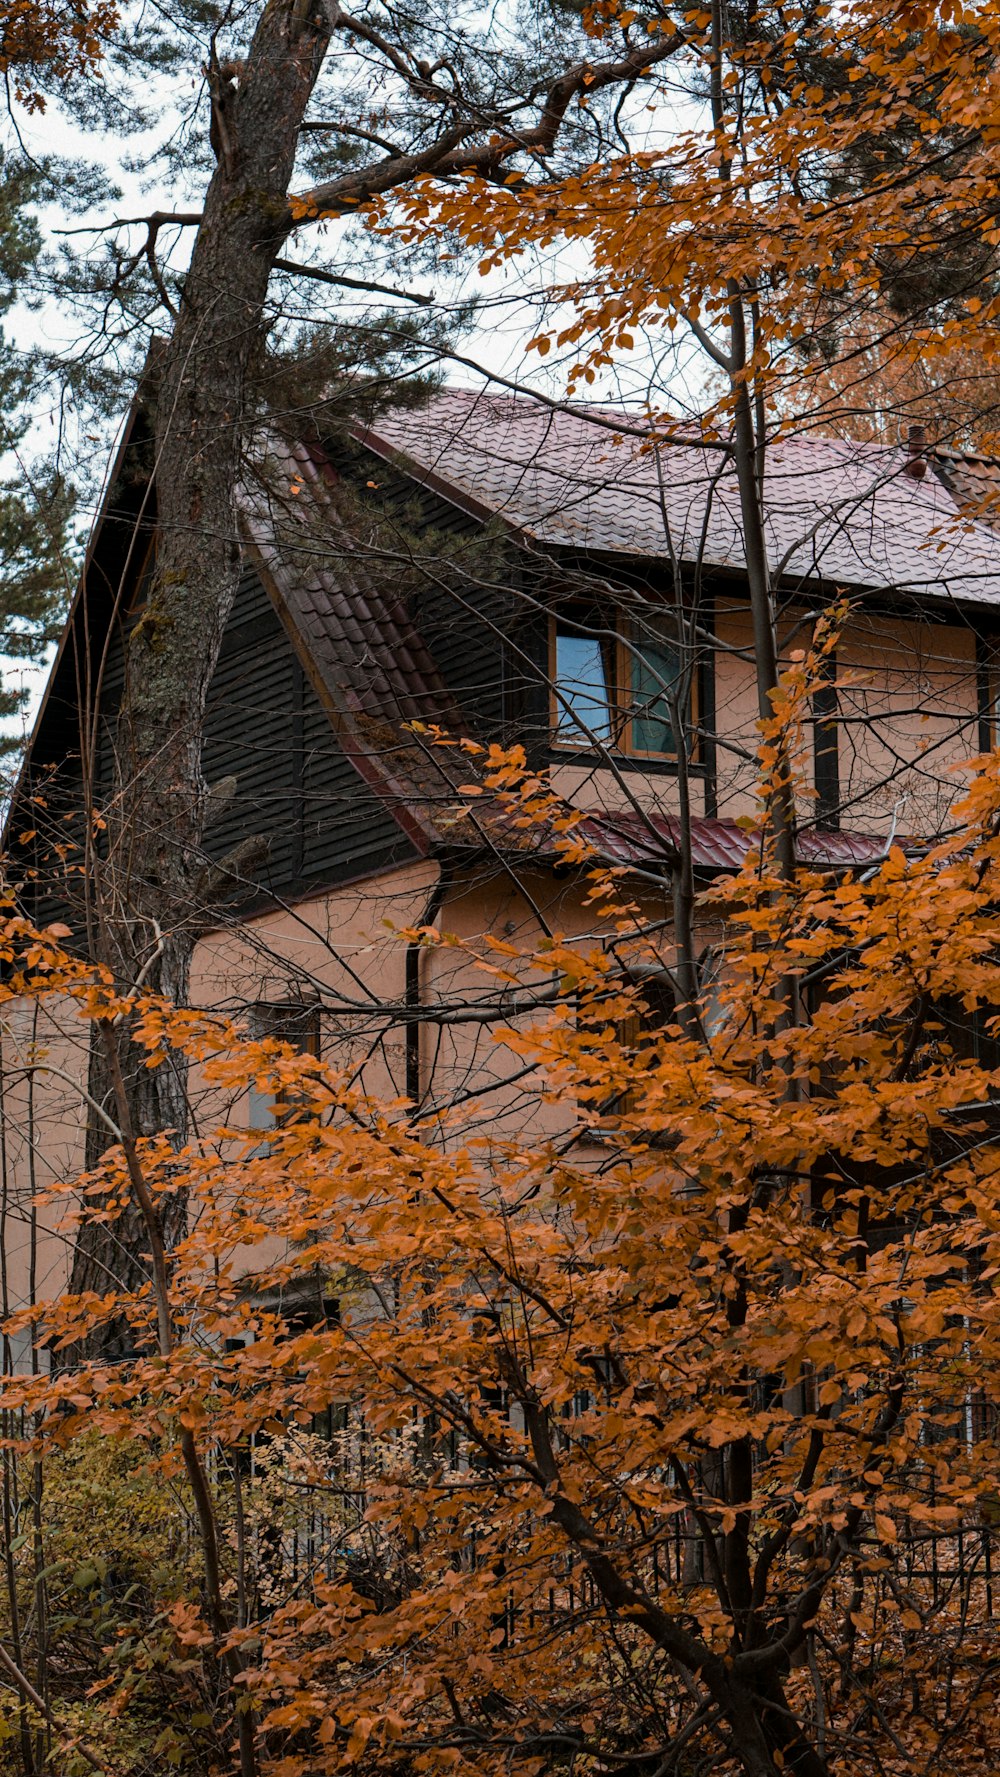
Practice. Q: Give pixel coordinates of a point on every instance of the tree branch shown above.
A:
(321, 276)
(448, 157)
(27, 1689)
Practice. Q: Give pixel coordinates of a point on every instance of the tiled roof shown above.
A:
(358, 630)
(651, 840)
(715, 845)
(974, 482)
(368, 663)
(841, 513)
(648, 839)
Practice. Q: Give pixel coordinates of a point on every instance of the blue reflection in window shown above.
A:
(583, 704)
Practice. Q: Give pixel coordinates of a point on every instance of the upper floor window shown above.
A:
(613, 681)
(584, 680)
(654, 671)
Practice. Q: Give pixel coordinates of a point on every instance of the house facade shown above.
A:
(491, 568)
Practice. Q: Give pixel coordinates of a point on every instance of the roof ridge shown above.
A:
(954, 455)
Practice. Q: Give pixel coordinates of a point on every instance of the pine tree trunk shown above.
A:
(145, 905)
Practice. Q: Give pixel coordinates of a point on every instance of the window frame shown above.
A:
(278, 1018)
(560, 708)
(653, 984)
(629, 649)
(623, 651)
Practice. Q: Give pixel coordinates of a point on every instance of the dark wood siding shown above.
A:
(248, 734)
(468, 629)
(463, 588)
(295, 786)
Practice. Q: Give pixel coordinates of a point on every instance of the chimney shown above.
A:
(916, 463)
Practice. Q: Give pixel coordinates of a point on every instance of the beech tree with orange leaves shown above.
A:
(681, 1456)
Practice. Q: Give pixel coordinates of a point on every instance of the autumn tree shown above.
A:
(671, 1410)
(739, 1302)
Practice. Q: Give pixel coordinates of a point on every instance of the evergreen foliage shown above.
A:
(36, 504)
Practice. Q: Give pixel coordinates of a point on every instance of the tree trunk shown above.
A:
(145, 905)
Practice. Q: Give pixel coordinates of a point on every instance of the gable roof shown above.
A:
(564, 480)
(837, 513)
(359, 634)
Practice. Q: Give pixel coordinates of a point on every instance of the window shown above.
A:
(887, 1201)
(655, 670)
(585, 686)
(655, 1013)
(613, 680)
(964, 1035)
(291, 1022)
(652, 1013)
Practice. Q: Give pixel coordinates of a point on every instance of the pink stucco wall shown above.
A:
(908, 704)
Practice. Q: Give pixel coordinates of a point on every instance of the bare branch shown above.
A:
(321, 276)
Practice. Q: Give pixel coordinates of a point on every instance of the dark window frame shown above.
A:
(288, 1021)
(658, 1013)
(826, 748)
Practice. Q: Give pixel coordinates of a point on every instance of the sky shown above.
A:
(508, 316)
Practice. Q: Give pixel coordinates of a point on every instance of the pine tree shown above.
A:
(35, 502)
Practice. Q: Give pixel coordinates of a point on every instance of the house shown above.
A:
(492, 567)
